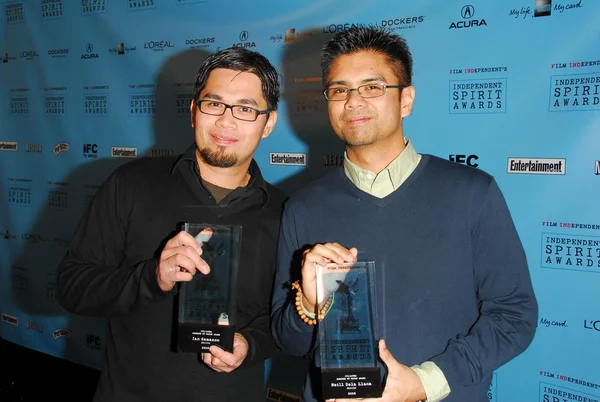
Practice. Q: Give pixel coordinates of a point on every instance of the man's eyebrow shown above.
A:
(363, 81)
(242, 101)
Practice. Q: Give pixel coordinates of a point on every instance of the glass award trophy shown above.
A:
(207, 309)
(346, 319)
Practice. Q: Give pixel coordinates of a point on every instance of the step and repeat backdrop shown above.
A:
(510, 87)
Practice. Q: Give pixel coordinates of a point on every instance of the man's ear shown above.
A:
(193, 110)
(270, 124)
(407, 100)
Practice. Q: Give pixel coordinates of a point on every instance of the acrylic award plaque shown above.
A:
(207, 309)
(346, 319)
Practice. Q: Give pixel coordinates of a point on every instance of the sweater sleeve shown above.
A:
(91, 279)
(508, 307)
(290, 333)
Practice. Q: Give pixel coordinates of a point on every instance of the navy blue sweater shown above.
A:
(453, 286)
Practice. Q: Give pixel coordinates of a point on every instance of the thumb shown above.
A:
(385, 354)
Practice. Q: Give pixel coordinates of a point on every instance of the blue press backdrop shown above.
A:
(501, 85)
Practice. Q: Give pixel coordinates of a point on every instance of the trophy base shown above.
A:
(198, 338)
(359, 382)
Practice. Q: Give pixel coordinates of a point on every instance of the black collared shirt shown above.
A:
(109, 270)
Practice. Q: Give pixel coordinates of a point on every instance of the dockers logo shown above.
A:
(292, 159)
(464, 159)
(11, 319)
(52, 9)
(575, 92)
(135, 5)
(14, 12)
(60, 147)
(467, 13)
(578, 253)
(9, 146)
(537, 166)
(244, 42)
(56, 53)
(543, 8)
(123, 152)
(93, 6)
(480, 96)
(402, 23)
(61, 332)
(199, 42)
(89, 52)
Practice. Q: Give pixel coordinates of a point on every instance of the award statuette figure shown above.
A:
(346, 319)
(207, 304)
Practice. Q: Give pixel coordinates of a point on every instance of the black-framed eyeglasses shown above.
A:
(240, 112)
(373, 90)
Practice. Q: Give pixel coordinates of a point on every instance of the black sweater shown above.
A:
(109, 271)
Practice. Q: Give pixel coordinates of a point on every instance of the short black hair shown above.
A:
(243, 60)
(374, 39)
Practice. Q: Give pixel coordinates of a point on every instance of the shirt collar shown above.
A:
(390, 178)
(188, 158)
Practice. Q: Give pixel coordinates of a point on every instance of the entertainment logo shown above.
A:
(9, 146)
(10, 319)
(123, 152)
(52, 9)
(55, 101)
(93, 6)
(571, 252)
(478, 96)
(19, 103)
(289, 159)
(95, 101)
(537, 166)
(467, 13)
(14, 12)
(574, 92)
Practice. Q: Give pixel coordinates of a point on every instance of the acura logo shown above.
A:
(244, 36)
(467, 12)
(89, 48)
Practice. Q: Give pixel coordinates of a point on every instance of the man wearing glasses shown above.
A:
(454, 295)
(127, 255)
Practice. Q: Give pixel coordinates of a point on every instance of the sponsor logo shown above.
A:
(88, 196)
(28, 54)
(6, 57)
(402, 23)
(14, 12)
(291, 159)
(58, 53)
(51, 290)
(543, 8)
(32, 237)
(593, 325)
(93, 342)
(60, 242)
(244, 41)
(19, 194)
(9, 146)
(159, 152)
(524, 12)
(571, 252)
(93, 6)
(55, 101)
(123, 152)
(309, 101)
(7, 236)
(597, 168)
(467, 13)
(537, 166)
(567, 7)
(11, 319)
(61, 332)
(19, 104)
(136, 5)
(335, 28)
(60, 147)
(34, 326)
(576, 64)
(52, 9)
(20, 283)
(574, 92)
(555, 393)
(95, 101)
(478, 96)
(277, 395)
(158, 45)
(90, 150)
(199, 42)
(37, 148)
(183, 95)
(89, 52)
(570, 225)
(141, 103)
(58, 197)
(468, 160)
(478, 70)
(553, 323)
(333, 160)
(290, 35)
(121, 49)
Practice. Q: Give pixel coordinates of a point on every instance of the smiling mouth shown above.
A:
(357, 120)
(223, 139)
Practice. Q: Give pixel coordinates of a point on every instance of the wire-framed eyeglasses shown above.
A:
(373, 90)
(240, 112)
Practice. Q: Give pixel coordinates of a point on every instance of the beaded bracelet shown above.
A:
(322, 311)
